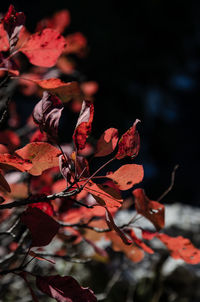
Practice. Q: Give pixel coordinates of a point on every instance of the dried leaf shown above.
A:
(152, 210)
(8, 161)
(41, 226)
(127, 176)
(42, 156)
(107, 142)
(64, 289)
(84, 125)
(44, 48)
(47, 113)
(129, 143)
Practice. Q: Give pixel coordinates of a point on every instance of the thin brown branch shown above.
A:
(171, 183)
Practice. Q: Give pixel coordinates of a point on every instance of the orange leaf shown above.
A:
(104, 195)
(7, 161)
(44, 48)
(107, 142)
(129, 143)
(139, 242)
(181, 248)
(127, 176)
(152, 210)
(65, 91)
(42, 155)
(4, 43)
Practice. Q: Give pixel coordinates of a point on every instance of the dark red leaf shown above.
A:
(8, 161)
(13, 23)
(84, 125)
(107, 142)
(3, 183)
(64, 289)
(42, 227)
(152, 210)
(129, 143)
(44, 48)
(47, 114)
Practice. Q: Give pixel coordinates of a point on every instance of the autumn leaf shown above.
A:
(47, 113)
(127, 176)
(17, 162)
(13, 22)
(44, 48)
(138, 241)
(3, 183)
(104, 195)
(181, 248)
(41, 226)
(107, 142)
(134, 253)
(84, 125)
(152, 210)
(42, 156)
(64, 91)
(40, 257)
(4, 43)
(64, 289)
(129, 143)
(76, 44)
(59, 21)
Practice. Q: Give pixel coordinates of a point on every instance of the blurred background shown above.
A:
(145, 55)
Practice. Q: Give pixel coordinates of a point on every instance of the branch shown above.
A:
(171, 184)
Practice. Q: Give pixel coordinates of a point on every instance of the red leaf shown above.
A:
(44, 48)
(42, 155)
(3, 183)
(84, 125)
(13, 23)
(181, 248)
(8, 161)
(139, 242)
(76, 43)
(46, 207)
(64, 289)
(104, 195)
(111, 224)
(4, 43)
(65, 91)
(152, 210)
(39, 257)
(129, 143)
(59, 21)
(42, 227)
(107, 142)
(127, 176)
(148, 235)
(10, 139)
(47, 113)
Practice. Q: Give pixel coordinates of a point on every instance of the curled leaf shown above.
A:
(41, 226)
(64, 289)
(129, 143)
(84, 125)
(127, 176)
(44, 48)
(107, 142)
(47, 113)
(152, 210)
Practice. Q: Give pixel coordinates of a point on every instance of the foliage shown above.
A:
(59, 194)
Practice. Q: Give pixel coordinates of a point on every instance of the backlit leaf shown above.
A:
(129, 143)
(152, 210)
(42, 156)
(4, 43)
(127, 176)
(84, 125)
(107, 142)
(44, 48)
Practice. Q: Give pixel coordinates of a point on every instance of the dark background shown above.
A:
(145, 55)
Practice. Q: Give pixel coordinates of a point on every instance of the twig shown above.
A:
(171, 184)
(66, 258)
